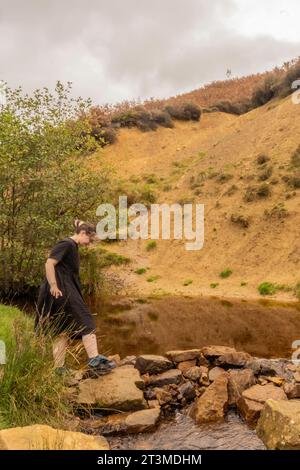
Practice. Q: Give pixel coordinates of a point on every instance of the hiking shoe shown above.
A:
(101, 363)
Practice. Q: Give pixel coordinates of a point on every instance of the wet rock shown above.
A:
(152, 364)
(153, 404)
(297, 376)
(194, 373)
(186, 365)
(187, 391)
(252, 400)
(117, 390)
(292, 390)
(212, 352)
(237, 359)
(182, 356)
(239, 380)
(212, 404)
(137, 422)
(163, 396)
(42, 437)
(279, 425)
(128, 360)
(270, 367)
(173, 376)
(215, 372)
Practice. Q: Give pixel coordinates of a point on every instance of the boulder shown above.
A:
(237, 359)
(172, 376)
(214, 373)
(212, 404)
(42, 437)
(117, 390)
(292, 390)
(253, 399)
(152, 364)
(270, 367)
(182, 356)
(139, 421)
(186, 365)
(279, 425)
(212, 352)
(194, 373)
(187, 391)
(239, 380)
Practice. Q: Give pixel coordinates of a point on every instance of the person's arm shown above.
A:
(51, 278)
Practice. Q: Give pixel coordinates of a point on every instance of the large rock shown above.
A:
(253, 399)
(237, 359)
(139, 421)
(211, 406)
(117, 390)
(193, 373)
(270, 367)
(279, 425)
(185, 365)
(42, 437)
(173, 376)
(292, 390)
(182, 356)
(212, 352)
(239, 380)
(152, 364)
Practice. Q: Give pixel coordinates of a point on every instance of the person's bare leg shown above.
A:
(90, 344)
(59, 348)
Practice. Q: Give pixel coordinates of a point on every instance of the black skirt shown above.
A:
(68, 313)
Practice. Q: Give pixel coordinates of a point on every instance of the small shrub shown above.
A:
(162, 118)
(224, 177)
(140, 271)
(267, 288)
(225, 273)
(263, 191)
(250, 194)
(266, 173)
(184, 112)
(295, 158)
(239, 219)
(187, 282)
(278, 211)
(262, 159)
(151, 245)
(213, 285)
(153, 278)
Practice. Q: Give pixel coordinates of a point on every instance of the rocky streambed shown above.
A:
(209, 398)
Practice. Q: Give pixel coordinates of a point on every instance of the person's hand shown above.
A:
(54, 290)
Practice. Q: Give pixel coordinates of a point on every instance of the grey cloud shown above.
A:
(124, 49)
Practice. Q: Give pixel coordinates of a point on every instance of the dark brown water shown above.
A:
(156, 325)
(182, 433)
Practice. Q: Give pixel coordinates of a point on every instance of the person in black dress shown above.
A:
(61, 309)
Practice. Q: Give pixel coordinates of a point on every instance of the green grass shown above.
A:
(213, 285)
(140, 271)
(187, 282)
(31, 391)
(153, 278)
(268, 288)
(151, 245)
(225, 273)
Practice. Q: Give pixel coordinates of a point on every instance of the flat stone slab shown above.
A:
(216, 351)
(117, 390)
(182, 356)
(43, 437)
(152, 364)
(172, 376)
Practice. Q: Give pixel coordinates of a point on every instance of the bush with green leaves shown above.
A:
(44, 182)
(225, 273)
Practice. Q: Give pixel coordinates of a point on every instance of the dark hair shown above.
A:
(81, 226)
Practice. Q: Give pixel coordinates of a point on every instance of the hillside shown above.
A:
(214, 162)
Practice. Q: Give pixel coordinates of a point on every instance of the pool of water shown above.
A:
(156, 325)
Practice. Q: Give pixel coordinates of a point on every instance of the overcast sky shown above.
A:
(128, 49)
